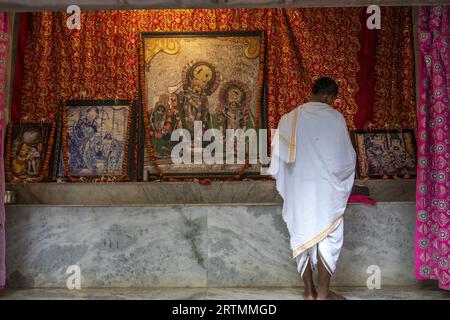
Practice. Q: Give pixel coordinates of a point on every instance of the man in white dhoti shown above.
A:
(313, 162)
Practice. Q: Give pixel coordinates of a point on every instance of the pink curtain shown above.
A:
(3, 53)
(432, 241)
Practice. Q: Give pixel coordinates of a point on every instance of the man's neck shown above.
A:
(315, 98)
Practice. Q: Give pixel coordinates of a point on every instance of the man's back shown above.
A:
(317, 185)
(323, 145)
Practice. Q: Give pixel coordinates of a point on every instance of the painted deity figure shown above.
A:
(376, 154)
(403, 162)
(83, 131)
(200, 80)
(104, 154)
(20, 161)
(233, 111)
(34, 161)
(161, 126)
(185, 104)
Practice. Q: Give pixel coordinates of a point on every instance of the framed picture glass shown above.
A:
(28, 152)
(211, 78)
(385, 153)
(96, 139)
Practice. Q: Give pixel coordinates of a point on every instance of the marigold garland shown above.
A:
(118, 178)
(258, 103)
(150, 150)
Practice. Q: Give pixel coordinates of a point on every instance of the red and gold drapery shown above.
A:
(374, 68)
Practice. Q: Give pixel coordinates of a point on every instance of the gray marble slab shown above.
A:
(380, 236)
(113, 246)
(249, 246)
(194, 245)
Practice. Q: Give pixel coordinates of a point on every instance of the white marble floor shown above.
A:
(268, 293)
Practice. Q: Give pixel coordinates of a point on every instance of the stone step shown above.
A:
(195, 245)
(267, 293)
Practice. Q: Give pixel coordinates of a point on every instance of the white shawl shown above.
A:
(313, 162)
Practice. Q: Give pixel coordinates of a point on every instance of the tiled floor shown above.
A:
(352, 293)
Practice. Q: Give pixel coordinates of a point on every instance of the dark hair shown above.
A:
(325, 86)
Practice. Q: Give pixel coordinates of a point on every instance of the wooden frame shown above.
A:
(29, 162)
(87, 147)
(168, 45)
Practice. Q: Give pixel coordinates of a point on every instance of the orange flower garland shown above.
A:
(8, 157)
(150, 150)
(71, 178)
(258, 103)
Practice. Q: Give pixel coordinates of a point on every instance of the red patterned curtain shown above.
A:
(394, 100)
(373, 68)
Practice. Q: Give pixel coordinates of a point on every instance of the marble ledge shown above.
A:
(41, 205)
(242, 192)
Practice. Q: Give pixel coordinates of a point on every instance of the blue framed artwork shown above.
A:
(95, 140)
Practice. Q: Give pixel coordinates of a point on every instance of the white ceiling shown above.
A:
(57, 5)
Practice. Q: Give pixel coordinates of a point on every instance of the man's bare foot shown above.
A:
(310, 294)
(331, 296)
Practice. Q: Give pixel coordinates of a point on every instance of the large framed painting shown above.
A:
(95, 141)
(192, 82)
(385, 153)
(28, 152)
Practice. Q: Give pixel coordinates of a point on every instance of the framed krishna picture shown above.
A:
(195, 82)
(28, 152)
(385, 153)
(95, 140)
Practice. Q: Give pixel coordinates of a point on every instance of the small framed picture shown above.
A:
(96, 141)
(28, 152)
(385, 153)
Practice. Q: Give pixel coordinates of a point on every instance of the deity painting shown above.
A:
(28, 151)
(385, 153)
(97, 135)
(185, 105)
(211, 78)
